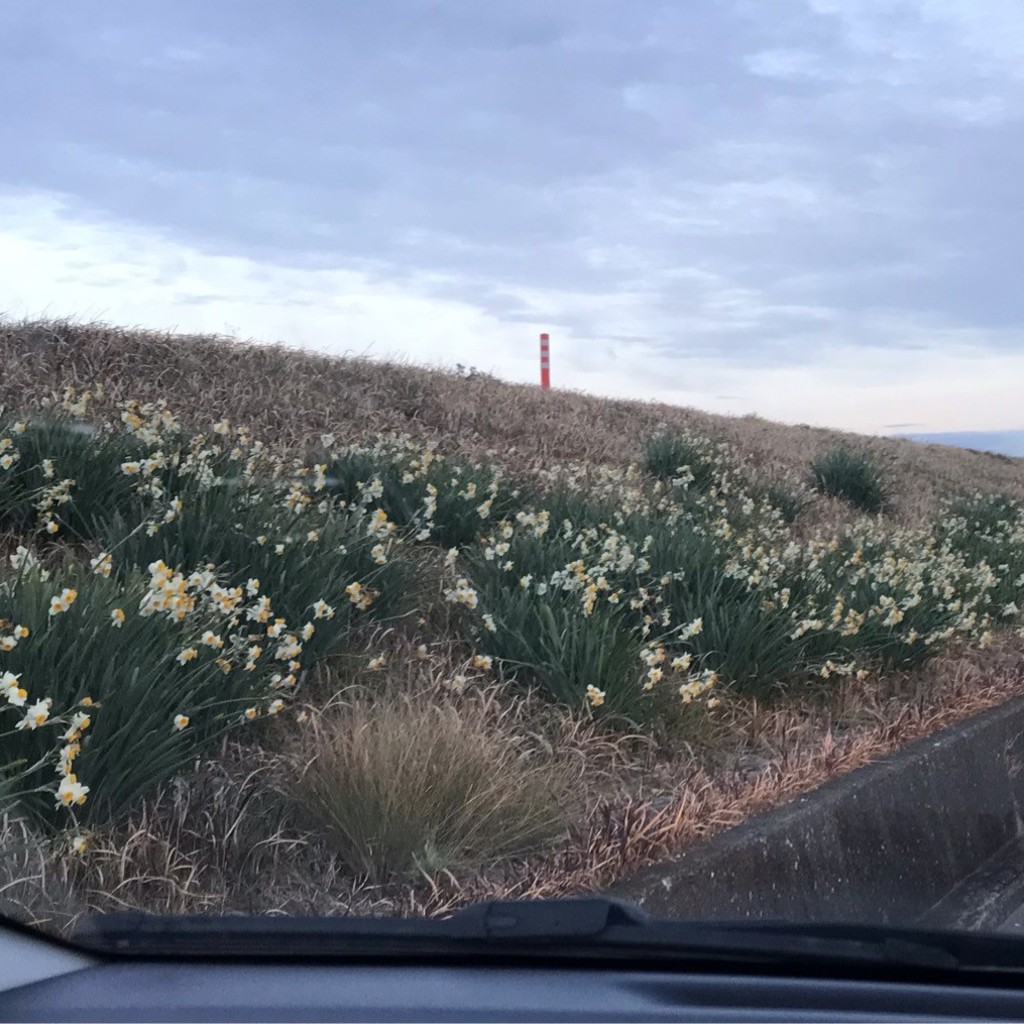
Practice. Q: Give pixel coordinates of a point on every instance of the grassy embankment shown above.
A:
(288, 633)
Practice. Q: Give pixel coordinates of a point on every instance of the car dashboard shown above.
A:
(43, 981)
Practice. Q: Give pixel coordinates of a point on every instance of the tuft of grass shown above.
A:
(852, 476)
(413, 785)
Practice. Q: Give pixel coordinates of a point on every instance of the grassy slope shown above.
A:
(636, 802)
(293, 396)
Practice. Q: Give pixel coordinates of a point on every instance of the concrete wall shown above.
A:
(884, 843)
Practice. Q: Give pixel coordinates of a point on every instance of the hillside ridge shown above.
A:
(291, 396)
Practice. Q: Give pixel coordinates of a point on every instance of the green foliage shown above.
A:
(60, 448)
(695, 460)
(275, 543)
(543, 636)
(852, 476)
(788, 502)
(579, 507)
(879, 598)
(743, 637)
(450, 501)
(553, 645)
(298, 556)
(363, 477)
(131, 744)
(601, 587)
(987, 531)
(990, 517)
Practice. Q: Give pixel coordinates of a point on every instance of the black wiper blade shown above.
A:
(531, 921)
(599, 927)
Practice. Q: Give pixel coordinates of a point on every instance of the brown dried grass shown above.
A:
(290, 396)
(418, 784)
(227, 841)
(778, 755)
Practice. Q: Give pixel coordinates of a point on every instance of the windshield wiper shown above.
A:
(586, 927)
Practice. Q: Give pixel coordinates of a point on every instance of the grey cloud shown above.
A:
(740, 178)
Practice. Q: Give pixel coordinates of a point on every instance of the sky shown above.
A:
(806, 209)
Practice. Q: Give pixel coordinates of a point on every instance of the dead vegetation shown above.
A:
(418, 785)
(227, 840)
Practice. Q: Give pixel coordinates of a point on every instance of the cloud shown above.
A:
(129, 275)
(776, 194)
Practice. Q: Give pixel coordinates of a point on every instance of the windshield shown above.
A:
(461, 451)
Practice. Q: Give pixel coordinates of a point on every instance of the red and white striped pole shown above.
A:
(545, 362)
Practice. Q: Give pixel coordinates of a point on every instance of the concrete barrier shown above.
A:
(885, 843)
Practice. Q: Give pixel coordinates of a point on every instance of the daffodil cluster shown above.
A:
(215, 571)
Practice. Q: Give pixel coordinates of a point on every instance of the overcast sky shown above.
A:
(808, 209)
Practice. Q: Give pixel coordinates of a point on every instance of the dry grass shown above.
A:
(226, 841)
(220, 843)
(776, 755)
(292, 396)
(230, 838)
(420, 785)
(34, 885)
